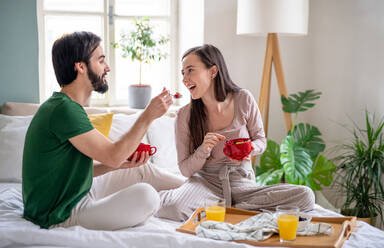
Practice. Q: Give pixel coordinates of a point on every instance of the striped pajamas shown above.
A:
(235, 183)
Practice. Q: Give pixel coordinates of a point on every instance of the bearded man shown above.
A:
(59, 189)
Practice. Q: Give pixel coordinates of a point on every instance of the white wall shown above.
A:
(191, 34)
(342, 56)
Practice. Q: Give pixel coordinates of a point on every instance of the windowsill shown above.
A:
(173, 106)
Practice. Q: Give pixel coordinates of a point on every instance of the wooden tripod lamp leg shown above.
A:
(272, 55)
(280, 77)
(266, 85)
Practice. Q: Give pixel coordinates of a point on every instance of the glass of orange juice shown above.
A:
(287, 220)
(215, 210)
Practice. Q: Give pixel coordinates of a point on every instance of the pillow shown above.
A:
(121, 124)
(102, 122)
(12, 136)
(162, 135)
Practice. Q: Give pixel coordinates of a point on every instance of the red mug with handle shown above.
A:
(143, 148)
(238, 149)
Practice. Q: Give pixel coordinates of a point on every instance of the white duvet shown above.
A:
(17, 232)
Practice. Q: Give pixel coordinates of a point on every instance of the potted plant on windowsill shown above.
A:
(298, 160)
(361, 169)
(143, 46)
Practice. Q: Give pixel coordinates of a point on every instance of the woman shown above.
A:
(220, 110)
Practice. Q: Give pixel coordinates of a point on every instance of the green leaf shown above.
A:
(296, 161)
(114, 44)
(312, 184)
(258, 170)
(299, 102)
(269, 178)
(270, 159)
(308, 137)
(323, 171)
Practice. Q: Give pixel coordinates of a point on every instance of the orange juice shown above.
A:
(287, 226)
(216, 213)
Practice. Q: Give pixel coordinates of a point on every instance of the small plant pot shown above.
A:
(139, 95)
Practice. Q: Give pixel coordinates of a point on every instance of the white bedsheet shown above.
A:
(17, 232)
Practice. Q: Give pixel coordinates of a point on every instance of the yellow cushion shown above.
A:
(102, 122)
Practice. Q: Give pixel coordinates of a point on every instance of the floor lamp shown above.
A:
(270, 18)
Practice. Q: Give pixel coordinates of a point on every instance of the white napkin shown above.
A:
(257, 228)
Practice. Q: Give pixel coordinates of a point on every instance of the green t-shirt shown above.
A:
(55, 174)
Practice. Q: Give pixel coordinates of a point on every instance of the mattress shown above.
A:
(18, 232)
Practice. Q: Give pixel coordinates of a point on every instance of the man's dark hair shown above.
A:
(70, 49)
(223, 85)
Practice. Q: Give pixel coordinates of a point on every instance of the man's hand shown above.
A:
(134, 162)
(115, 154)
(211, 140)
(159, 105)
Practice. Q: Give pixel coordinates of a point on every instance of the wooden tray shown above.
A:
(343, 226)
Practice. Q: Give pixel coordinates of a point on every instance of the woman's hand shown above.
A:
(239, 161)
(134, 162)
(211, 140)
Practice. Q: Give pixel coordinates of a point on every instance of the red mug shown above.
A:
(238, 149)
(143, 148)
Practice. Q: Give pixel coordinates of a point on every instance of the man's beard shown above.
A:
(99, 84)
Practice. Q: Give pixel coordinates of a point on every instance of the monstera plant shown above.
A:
(298, 159)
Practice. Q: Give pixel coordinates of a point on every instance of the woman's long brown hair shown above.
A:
(223, 85)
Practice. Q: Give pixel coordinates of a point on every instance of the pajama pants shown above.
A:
(236, 184)
(122, 198)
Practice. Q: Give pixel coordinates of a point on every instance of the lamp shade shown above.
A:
(260, 17)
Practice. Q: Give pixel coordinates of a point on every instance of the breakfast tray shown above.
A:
(343, 226)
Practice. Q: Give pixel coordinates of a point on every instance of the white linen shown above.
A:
(122, 123)
(161, 134)
(17, 232)
(257, 228)
(12, 136)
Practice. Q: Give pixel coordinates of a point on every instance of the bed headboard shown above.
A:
(19, 109)
(22, 109)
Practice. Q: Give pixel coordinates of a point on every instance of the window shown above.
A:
(108, 19)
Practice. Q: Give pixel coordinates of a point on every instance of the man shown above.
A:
(61, 144)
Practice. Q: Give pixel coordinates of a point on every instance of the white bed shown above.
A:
(18, 232)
